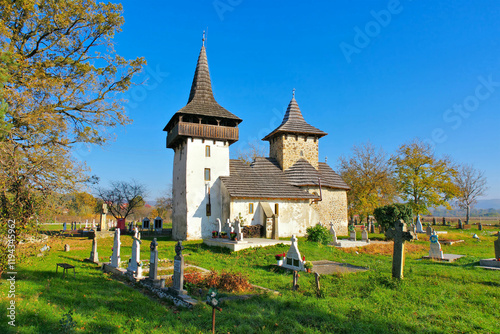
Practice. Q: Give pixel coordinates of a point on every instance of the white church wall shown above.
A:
(294, 216)
(198, 224)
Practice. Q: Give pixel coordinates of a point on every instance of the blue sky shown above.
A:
(383, 71)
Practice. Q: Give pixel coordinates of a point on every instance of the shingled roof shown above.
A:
(294, 122)
(201, 100)
(262, 179)
(302, 173)
(265, 179)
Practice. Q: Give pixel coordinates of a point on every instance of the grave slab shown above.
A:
(325, 267)
(248, 243)
(446, 257)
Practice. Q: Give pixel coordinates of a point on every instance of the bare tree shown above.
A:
(254, 150)
(123, 197)
(164, 202)
(471, 184)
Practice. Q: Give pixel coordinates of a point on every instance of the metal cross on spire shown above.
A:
(203, 39)
(293, 93)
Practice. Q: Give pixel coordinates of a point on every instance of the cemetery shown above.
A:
(204, 219)
(136, 281)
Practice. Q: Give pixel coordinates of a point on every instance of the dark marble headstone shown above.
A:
(433, 220)
(460, 225)
(480, 227)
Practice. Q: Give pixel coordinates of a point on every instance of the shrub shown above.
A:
(225, 281)
(388, 214)
(319, 233)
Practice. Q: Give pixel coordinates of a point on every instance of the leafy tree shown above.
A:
(422, 179)
(386, 215)
(123, 197)
(370, 177)
(471, 183)
(82, 203)
(62, 80)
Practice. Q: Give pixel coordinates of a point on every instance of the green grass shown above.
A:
(434, 297)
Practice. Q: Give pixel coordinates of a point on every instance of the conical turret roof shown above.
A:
(201, 100)
(294, 123)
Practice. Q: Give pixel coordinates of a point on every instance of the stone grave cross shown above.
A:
(400, 235)
(133, 263)
(153, 260)
(115, 257)
(219, 227)
(93, 254)
(178, 277)
(239, 232)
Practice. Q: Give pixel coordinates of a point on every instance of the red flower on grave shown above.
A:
(303, 258)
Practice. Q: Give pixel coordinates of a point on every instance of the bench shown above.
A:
(65, 267)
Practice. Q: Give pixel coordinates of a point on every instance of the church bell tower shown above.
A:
(200, 135)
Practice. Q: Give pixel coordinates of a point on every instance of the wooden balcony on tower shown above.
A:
(204, 131)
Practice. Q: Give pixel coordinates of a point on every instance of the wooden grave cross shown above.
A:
(400, 235)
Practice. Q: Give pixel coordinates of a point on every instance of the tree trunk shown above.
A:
(468, 215)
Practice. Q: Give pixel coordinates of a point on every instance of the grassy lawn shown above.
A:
(434, 297)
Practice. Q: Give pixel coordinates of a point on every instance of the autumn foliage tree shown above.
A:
(370, 177)
(422, 179)
(62, 86)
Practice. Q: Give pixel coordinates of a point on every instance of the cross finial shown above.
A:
(293, 93)
(203, 38)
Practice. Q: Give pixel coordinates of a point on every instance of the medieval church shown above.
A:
(286, 192)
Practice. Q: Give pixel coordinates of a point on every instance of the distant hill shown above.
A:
(488, 204)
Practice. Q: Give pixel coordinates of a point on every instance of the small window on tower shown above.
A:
(207, 151)
(207, 174)
(250, 208)
(276, 209)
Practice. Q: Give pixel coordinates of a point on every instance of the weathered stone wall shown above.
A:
(287, 149)
(332, 208)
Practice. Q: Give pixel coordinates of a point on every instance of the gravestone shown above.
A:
(428, 230)
(66, 248)
(293, 260)
(93, 253)
(364, 236)
(130, 227)
(496, 243)
(219, 226)
(93, 223)
(178, 277)
(64, 226)
(115, 257)
(400, 235)
(145, 223)
(239, 232)
(158, 224)
(231, 226)
(414, 230)
(435, 251)
(372, 227)
(444, 221)
(104, 226)
(480, 227)
(352, 233)
(334, 235)
(153, 260)
(134, 262)
(433, 220)
(86, 224)
(419, 225)
(460, 225)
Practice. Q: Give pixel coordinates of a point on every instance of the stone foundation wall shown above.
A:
(332, 208)
(287, 149)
